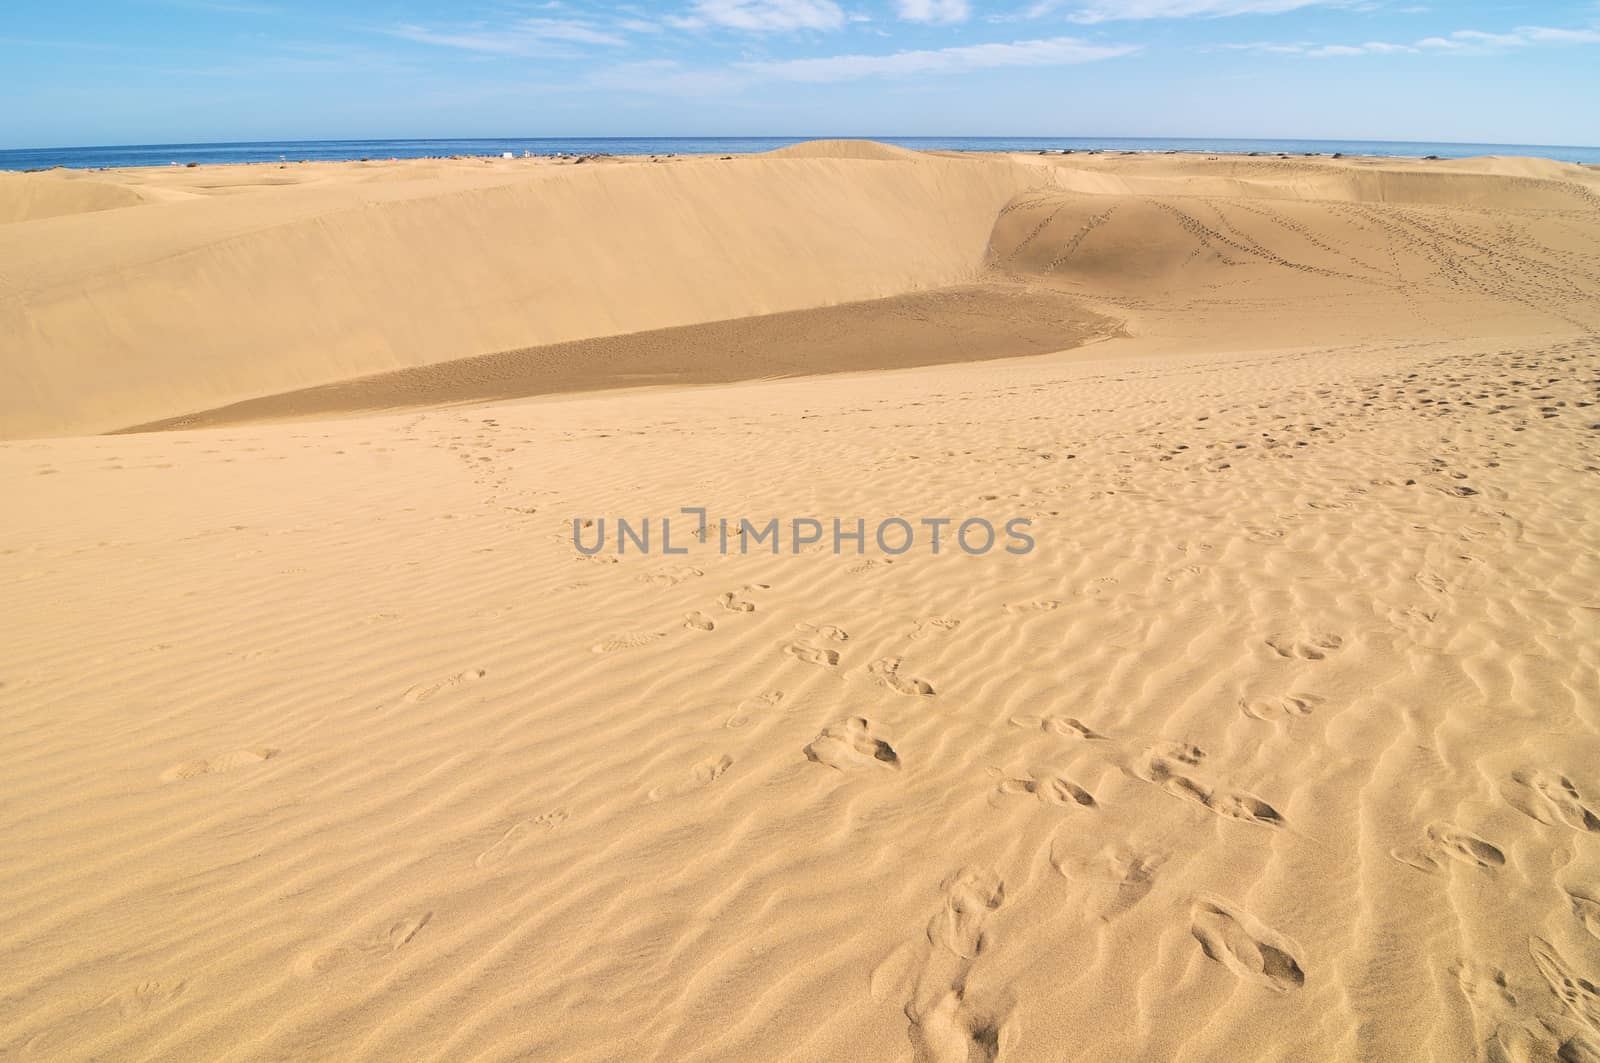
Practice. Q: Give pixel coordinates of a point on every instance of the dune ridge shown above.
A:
(233, 283)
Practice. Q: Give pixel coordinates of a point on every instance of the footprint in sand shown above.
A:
(626, 642)
(1039, 605)
(887, 672)
(1585, 907)
(670, 577)
(1581, 995)
(518, 836)
(827, 632)
(1467, 848)
(952, 1031)
(1550, 798)
(369, 948)
(1313, 647)
(969, 896)
(423, 691)
(1275, 708)
(239, 758)
(1051, 790)
(810, 654)
(1448, 840)
(751, 707)
(933, 625)
(1115, 877)
(698, 621)
(1065, 726)
(1224, 801)
(1182, 752)
(736, 602)
(139, 1000)
(1246, 946)
(851, 744)
(701, 775)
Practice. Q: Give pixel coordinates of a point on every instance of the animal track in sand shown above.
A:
(423, 691)
(1551, 798)
(1224, 801)
(887, 672)
(517, 837)
(969, 896)
(851, 744)
(1581, 995)
(1246, 946)
(1065, 726)
(810, 654)
(1313, 647)
(1052, 790)
(384, 942)
(1276, 708)
(702, 775)
(626, 642)
(698, 621)
(239, 758)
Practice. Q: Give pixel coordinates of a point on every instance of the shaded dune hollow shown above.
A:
(957, 324)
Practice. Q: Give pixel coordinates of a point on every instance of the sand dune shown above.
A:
(24, 197)
(321, 740)
(298, 277)
(128, 316)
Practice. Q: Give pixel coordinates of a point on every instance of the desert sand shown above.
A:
(321, 740)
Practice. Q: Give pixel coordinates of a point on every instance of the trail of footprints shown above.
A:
(930, 978)
(946, 1022)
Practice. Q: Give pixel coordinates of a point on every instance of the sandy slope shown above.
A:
(321, 741)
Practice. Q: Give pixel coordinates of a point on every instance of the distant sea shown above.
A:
(295, 150)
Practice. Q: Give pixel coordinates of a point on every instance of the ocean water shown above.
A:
(294, 150)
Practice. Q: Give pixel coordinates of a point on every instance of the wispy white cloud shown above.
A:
(941, 11)
(1321, 50)
(1055, 51)
(762, 16)
(528, 36)
(1479, 43)
(1461, 42)
(1094, 11)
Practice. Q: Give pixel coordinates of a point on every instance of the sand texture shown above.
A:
(319, 739)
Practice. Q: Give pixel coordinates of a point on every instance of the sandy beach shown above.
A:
(321, 738)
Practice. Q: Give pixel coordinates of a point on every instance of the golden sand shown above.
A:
(322, 741)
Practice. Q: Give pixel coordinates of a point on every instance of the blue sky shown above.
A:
(76, 72)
